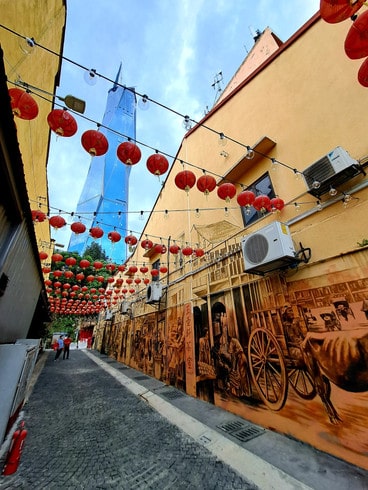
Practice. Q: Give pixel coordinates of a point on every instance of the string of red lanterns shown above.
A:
(356, 41)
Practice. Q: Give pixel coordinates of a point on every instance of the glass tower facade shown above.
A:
(105, 195)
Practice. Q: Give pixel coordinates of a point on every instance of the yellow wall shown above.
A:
(32, 19)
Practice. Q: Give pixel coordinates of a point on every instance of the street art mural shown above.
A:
(288, 357)
(300, 368)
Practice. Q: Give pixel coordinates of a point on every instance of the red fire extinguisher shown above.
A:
(15, 451)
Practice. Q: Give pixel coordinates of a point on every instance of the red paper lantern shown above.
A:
(100, 279)
(57, 273)
(75, 287)
(128, 153)
(43, 255)
(146, 244)
(262, 203)
(121, 268)
(143, 269)
(94, 142)
(154, 272)
(163, 269)
(110, 267)
(363, 74)
(48, 282)
(84, 263)
(129, 280)
(132, 269)
(131, 240)
(46, 270)
(199, 252)
(38, 216)
(68, 274)
(132, 290)
(78, 227)
(114, 236)
(276, 204)
(66, 286)
(70, 261)
(245, 198)
(146, 281)
(206, 184)
(157, 164)
(62, 123)
(96, 232)
(57, 222)
(334, 11)
(57, 284)
(90, 278)
(185, 180)
(97, 264)
(160, 248)
(356, 42)
(23, 104)
(57, 258)
(137, 280)
(187, 251)
(174, 249)
(226, 191)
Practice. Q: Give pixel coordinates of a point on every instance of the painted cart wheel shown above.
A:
(267, 368)
(302, 383)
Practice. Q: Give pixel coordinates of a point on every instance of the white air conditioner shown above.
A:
(335, 168)
(268, 249)
(125, 305)
(154, 292)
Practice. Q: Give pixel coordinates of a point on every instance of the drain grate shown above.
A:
(241, 431)
(232, 426)
(141, 378)
(123, 367)
(172, 395)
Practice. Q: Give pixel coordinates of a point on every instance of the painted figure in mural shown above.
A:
(294, 333)
(331, 322)
(343, 310)
(176, 346)
(365, 307)
(228, 357)
(239, 384)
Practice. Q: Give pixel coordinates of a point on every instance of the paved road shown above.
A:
(87, 431)
(96, 424)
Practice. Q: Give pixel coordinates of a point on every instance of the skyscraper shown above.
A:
(105, 195)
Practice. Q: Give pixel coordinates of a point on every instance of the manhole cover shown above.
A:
(141, 378)
(171, 395)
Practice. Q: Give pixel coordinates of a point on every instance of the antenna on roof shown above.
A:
(217, 85)
(255, 33)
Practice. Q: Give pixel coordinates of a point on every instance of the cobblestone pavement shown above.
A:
(87, 431)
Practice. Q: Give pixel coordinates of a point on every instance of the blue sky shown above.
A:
(170, 50)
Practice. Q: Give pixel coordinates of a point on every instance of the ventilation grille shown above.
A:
(319, 171)
(256, 248)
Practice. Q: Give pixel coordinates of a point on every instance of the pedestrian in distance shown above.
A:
(60, 347)
(67, 342)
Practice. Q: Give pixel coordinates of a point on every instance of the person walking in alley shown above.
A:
(67, 342)
(60, 347)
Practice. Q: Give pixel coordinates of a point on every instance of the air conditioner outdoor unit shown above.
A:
(333, 169)
(124, 307)
(268, 249)
(154, 292)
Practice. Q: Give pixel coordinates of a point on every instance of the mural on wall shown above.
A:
(306, 360)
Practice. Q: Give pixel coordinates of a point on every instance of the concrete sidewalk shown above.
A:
(96, 423)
